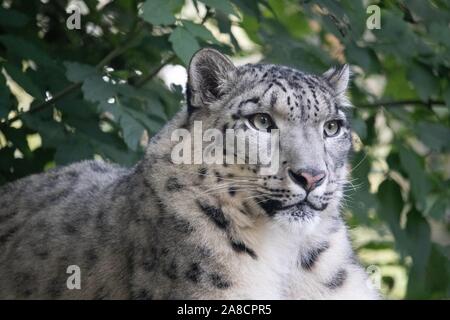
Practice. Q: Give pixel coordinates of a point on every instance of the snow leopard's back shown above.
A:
(63, 217)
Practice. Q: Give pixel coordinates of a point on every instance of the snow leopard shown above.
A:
(165, 230)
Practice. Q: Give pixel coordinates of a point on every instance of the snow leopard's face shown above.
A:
(308, 111)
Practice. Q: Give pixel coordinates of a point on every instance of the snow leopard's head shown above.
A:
(308, 110)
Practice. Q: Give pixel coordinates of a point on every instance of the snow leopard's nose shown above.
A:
(308, 178)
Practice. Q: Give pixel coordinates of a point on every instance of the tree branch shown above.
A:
(155, 71)
(75, 86)
(401, 103)
(110, 56)
(172, 56)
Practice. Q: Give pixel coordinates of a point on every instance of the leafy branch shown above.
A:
(401, 103)
(128, 42)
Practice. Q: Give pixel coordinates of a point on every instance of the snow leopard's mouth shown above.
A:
(273, 207)
(305, 203)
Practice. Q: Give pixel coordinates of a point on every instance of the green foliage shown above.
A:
(67, 95)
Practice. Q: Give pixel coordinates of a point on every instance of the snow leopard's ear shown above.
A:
(338, 78)
(210, 76)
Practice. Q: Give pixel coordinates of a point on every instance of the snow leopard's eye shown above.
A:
(262, 121)
(332, 128)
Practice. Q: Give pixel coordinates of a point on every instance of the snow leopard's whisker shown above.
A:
(227, 178)
(226, 186)
(223, 185)
(359, 163)
(352, 186)
(248, 187)
(257, 196)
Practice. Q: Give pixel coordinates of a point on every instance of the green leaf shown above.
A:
(400, 41)
(438, 273)
(74, 149)
(24, 81)
(391, 206)
(51, 132)
(420, 185)
(221, 5)
(446, 95)
(363, 57)
(362, 200)
(424, 82)
(26, 50)
(249, 8)
(4, 98)
(12, 18)
(95, 89)
(77, 72)
(397, 87)
(184, 44)
(418, 233)
(117, 152)
(132, 130)
(151, 125)
(158, 12)
(199, 31)
(18, 138)
(360, 127)
(439, 208)
(436, 136)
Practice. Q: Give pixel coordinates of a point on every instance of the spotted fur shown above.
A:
(167, 231)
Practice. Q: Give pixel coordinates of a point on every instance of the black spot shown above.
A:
(55, 287)
(252, 100)
(273, 99)
(100, 220)
(150, 260)
(7, 216)
(173, 184)
(101, 293)
(8, 234)
(165, 251)
(218, 281)
(279, 84)
(171, 272)
(215, 214)
(182, 225)
(69, 228)
(338, 279)
(42, 253)
(24, 283)
(58, 196)
(218, 176)
(271, 206)
(242, 248)
(204, 252)
(232, 191)
(91, 256)
(143, 294)
(190, 107)
(308, 259)
(194, 273)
